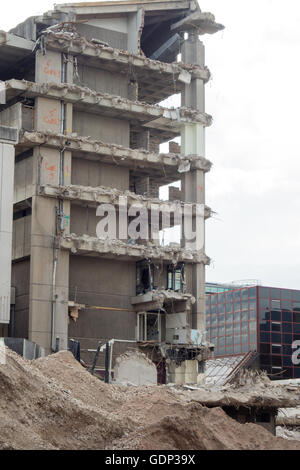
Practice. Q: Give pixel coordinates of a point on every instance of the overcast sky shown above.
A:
(254, 141)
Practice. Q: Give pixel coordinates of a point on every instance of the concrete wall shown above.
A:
(23, 184)
(113, 38)
(112, 131)
(102, 81)
(21, 240)
(98, 282)
(92, 173)
(20, 278)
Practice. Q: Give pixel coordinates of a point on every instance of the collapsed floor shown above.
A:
(54, 403)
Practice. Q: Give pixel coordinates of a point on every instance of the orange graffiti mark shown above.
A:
(51, 119)
(50, 71)
(51, 169)
(67, 172)
(200, 188)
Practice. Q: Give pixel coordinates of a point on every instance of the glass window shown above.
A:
(252, 315)
(265, 348)
(296, 295)
(286, 294)
(245, 294)
(221, 342)
(275, 304)
(275, 294)
(228, 330)
(237, 349)
(237, 339)
(237, 295)
(237, 318)
(276, 349)
(244, 328)
(221, 308)
(264, 292)
(228, 297)
(286, 305)
(229, 340)
(214, 299)
(237, 306)
(245, 338)
(244, 316)
(276, 315)
(229, 350)
(286, 316)
(296, 328)
(287, 339)
(252, 304)
(276, 327)
(265, 337)
(276, 337)
(252, 338)
(297, 372)
(245, 348)
(221, 331)
(221, 319)
(252, 292)
(221, 298)
(252, 326)
(276, 361)
(245, 305)
(296, 317)
(229, 308)
(265, 326)
(237, 329)
(214, 333)
(287, 350)
(287, 361)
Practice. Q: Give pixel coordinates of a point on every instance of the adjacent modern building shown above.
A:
(261, 319)
(82, 85)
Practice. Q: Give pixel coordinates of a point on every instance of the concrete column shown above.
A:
(193, 182)
(49, 267)
(7, 160)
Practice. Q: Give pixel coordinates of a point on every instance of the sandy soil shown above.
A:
(54, 403)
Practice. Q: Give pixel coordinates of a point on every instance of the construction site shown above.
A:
(103, 341)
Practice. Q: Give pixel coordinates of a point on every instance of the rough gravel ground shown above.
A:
(54, 403)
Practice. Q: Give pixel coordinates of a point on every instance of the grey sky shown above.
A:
(254, 141)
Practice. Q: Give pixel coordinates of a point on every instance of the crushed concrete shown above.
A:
(54, 403)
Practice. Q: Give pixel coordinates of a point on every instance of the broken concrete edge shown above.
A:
(75, 44)
(107, 195)
(134, 368)
(163, 296)
(116, 152)
(198, 22)
(85, 244)
(83, 95)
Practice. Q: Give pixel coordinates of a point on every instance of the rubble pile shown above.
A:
(54, 403)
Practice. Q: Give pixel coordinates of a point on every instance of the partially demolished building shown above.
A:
(80, 89)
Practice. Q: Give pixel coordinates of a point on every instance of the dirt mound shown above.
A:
(54, 403)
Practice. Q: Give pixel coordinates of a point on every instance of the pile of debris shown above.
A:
(54, 403)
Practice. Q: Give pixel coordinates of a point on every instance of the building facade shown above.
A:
(82, 84)
(262, 319)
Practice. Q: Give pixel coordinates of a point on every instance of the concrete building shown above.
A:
(260, 319)
(81, 84)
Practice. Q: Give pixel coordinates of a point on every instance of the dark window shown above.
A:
(287, 350)
(265, 360)
(276, 349)
(286, 316)
(276, 315)
(296, 328)
(265, 326)
(265, 348)
(276, 337)
(287, 327)
(297, 372)
(265, 337)
(296, 317)
(276, 327)
(287, 339)
(287, 361)
(276, 361)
